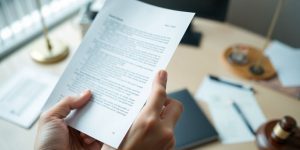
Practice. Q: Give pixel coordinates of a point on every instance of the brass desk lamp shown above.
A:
(54, 51)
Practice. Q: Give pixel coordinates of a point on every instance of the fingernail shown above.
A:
(163, 75)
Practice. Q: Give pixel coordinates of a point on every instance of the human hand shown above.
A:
(153, 128)
(54, 133)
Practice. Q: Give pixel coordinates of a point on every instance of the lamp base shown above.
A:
(58, 53)
(250, 70)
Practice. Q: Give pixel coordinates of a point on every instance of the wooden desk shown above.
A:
(186, 70)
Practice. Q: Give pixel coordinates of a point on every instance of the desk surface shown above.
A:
(186, 70)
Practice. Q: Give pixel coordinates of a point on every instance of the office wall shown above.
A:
(255, 15)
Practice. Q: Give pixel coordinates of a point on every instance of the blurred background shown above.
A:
(225, 39)
(19, 19)
(256, 15)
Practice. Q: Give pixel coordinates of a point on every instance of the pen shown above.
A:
(237, 108)
(230, 83)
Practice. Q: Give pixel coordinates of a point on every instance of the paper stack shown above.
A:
(286, 61)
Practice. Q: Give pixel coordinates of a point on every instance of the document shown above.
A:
(285, 60)
(223, 97)
(23, 96)
(127, 44)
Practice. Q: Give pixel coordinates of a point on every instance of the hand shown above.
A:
(153, 128)
(54, 133)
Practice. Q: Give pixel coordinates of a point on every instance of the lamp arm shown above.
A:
(45, 29)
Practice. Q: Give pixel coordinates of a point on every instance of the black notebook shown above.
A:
(193, 128)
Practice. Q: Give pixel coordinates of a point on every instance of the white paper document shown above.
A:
(286, 61)
(23, 96)
(128, 42)
(227, 120)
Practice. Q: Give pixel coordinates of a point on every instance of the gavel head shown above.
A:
(283, 129)
(280, 134)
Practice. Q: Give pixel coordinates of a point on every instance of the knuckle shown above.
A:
(149, 123)
(68, 98)
(160, 93)
(45, 116)
(168, 135)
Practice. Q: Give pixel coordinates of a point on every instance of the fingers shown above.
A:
(94, 146)
(170, 144)
(158, 94)
(107, 147)
(87, 139)
(171, 113)
(90, 143)
(63, 108)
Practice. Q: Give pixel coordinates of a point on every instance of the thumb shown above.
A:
(64, 107)
(158, 93)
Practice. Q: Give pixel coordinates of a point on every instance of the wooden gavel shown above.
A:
(279, 135)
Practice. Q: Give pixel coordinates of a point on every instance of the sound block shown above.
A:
(244, 70)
